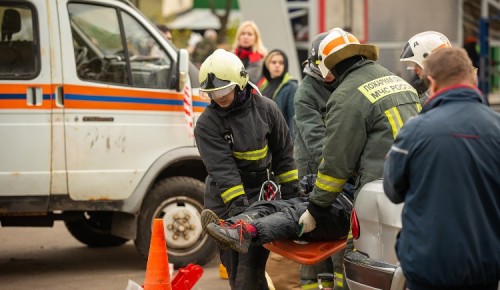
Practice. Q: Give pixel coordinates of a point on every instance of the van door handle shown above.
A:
(59, 96)
(34, 96)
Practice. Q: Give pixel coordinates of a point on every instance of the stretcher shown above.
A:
(306, 253)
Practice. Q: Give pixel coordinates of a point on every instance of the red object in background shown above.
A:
(355, 225)
(187, 277)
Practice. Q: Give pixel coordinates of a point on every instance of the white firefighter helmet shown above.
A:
(339, 45)
(220, 73)
(421, 45)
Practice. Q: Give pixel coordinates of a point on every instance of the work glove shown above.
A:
(289, 190)
(307, 223)
(237, 205)
(306, 184)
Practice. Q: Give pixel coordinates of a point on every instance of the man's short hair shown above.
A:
(448, 66)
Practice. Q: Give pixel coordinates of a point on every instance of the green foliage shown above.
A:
(219, 4)
(232, 27)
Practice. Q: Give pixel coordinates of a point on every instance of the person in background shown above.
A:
(417, 48)
(243, 141)
(278, 85)
(166, 31)
(249, 48)
(309, 128)
(445, 166)
(204, 47)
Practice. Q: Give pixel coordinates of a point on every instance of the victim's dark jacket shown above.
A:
(238, 146)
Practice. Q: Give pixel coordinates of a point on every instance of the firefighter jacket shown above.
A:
(310, 111)
(364, 114)
(445, 166)
(238, 146)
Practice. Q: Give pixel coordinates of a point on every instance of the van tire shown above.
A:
(93, 230)
(181, 197)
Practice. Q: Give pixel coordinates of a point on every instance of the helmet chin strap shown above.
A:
(255, 87)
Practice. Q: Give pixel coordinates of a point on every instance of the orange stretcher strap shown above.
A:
(307, 254)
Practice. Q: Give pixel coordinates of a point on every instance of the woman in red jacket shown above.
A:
(249, 48)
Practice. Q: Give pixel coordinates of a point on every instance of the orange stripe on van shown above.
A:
(72, 104)
(86, 90)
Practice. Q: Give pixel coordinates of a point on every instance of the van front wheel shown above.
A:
(178, 201)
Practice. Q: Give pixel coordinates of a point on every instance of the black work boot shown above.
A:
(208, 217)
(236, 236)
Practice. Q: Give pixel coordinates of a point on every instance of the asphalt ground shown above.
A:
(50, 258)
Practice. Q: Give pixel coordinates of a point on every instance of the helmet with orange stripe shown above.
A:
(339, 45)
(420, 46)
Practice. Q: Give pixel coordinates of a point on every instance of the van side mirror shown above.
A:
(183, 67)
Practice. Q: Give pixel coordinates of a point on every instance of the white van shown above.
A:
(93, 129)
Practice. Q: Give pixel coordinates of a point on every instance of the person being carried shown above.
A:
(268, 221)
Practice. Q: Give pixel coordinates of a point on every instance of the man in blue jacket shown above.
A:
(445, 166)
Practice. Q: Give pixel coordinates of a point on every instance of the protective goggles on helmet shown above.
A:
(216, 94)
(212, 82)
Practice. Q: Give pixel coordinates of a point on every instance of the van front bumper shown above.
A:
(363, 273)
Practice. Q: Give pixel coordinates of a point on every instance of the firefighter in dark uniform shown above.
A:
(364, 113)
(243, 140)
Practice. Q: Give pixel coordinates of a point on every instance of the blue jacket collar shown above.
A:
(460, 92)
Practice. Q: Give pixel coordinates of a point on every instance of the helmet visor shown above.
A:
(407, 52)
(216, 94)
(407, 55)
(212, 82)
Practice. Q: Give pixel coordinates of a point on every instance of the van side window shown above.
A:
(98, 45)
(149, 63)
(19, 53)
(105, 53)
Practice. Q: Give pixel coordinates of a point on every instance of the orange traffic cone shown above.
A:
(157, 271)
